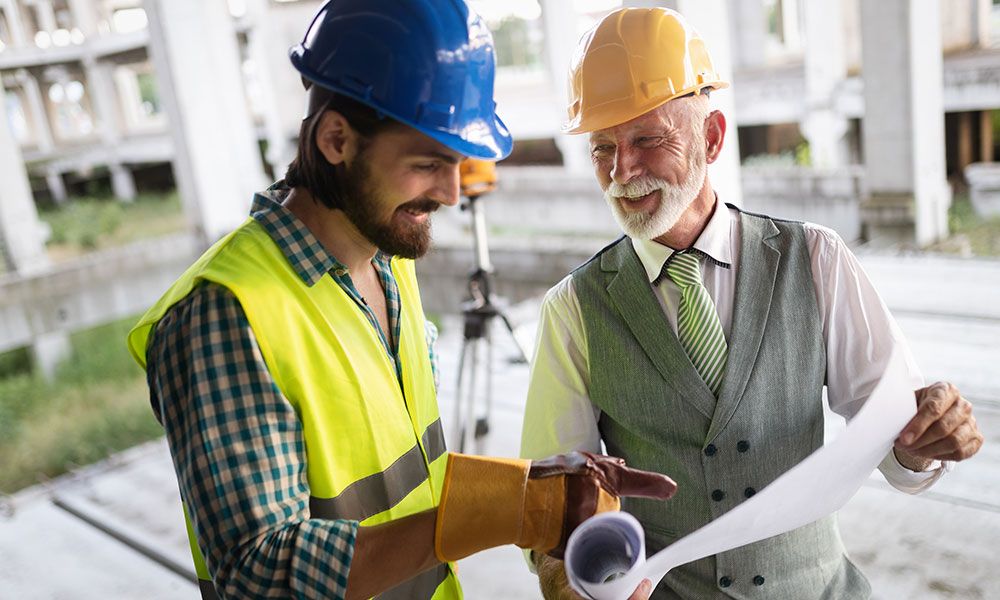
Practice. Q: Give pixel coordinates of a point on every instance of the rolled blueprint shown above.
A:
(605, 556)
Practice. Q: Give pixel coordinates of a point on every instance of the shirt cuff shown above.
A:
(527, 559)
(909, 481)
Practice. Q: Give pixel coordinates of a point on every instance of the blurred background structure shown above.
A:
(133, 133)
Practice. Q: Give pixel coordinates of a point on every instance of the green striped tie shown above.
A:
(698, 325)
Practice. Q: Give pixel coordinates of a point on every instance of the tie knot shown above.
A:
(685, 269)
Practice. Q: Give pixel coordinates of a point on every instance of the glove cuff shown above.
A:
(481, 506)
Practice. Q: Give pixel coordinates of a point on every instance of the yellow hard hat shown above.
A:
(634, 60)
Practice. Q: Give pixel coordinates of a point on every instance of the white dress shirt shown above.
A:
(858, 331)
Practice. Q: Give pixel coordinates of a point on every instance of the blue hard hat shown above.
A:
(426, 63)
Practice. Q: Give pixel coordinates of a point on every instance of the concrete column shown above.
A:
(823, 126)
(37, 109)
(711, 19)
(84, 16)
(981, 16)
(107, 113)
(46, 16)
(217, 163)
(22, 237)
(267, 46)
(48, 350)
(903, 124)
(748, 31)
(965, 149)
(14, 23)
(559, 23)
(22, 234)
(122, 182)
(985, 136)
(57, 187)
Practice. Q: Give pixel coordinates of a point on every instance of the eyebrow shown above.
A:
(448, 158)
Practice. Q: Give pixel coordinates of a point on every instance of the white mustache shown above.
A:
(636, 188)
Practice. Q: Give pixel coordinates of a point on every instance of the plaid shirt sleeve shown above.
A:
(431, 336)
(239, 453)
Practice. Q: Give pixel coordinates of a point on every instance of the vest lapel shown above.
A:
(758, 268)
(632, 295)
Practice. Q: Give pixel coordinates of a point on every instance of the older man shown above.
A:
(698, 345)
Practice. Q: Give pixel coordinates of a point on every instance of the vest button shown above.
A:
(710, 450)
(758, 580)
(749, 492)
(725, 581)
(742, 446)
(718, 495)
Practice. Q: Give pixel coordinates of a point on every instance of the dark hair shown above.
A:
(310, 169)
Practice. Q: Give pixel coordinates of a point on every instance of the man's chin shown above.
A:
(412, 242)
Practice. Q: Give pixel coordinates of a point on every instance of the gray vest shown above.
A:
(659, 415)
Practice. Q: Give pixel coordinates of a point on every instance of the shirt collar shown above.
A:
(715, 242)
(304, 252)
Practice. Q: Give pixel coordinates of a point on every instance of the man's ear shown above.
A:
(715, 133)
(335, 138)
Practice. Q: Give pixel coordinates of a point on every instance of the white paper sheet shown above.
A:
(604, 545)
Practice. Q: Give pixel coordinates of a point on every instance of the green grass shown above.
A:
(84, 224)
(981, 234)
(97, 405)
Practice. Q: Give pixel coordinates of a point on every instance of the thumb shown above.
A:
(636, 482)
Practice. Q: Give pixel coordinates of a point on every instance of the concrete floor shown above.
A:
(934, 546)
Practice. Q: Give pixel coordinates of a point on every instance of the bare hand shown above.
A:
(943, 428)
(555, 586)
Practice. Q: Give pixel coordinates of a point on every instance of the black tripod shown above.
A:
(478, 313)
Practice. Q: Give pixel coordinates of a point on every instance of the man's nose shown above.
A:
(626, 165)
(448, 186)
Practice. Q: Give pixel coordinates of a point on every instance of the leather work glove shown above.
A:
(488, 502)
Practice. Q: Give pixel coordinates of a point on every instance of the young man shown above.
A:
(699, 344)
(290, 366)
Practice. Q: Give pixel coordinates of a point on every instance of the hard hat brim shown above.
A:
(615, 118)
(492, 139)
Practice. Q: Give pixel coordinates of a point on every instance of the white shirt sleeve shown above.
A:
(860, 335)
(559, 416)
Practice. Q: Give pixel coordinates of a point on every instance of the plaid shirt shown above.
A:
(237, 444)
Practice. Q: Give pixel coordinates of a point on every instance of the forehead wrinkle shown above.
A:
(658, 120)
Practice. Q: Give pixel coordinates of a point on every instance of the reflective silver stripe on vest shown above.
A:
(381, 491)
(433, 440)
(207, 590)
(421, 587)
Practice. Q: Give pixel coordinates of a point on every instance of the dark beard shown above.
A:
(360, 199)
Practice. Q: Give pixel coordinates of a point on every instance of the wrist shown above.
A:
(917, 464)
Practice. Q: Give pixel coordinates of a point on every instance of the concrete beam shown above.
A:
(217, 163)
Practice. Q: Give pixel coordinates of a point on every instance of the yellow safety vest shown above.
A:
(375, 452)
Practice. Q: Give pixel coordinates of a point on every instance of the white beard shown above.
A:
(674, 200)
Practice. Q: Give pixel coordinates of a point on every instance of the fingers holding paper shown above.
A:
(555, 586)
(944, 428)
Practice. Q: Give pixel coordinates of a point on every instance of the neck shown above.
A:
(332, 229)
(688, 228)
